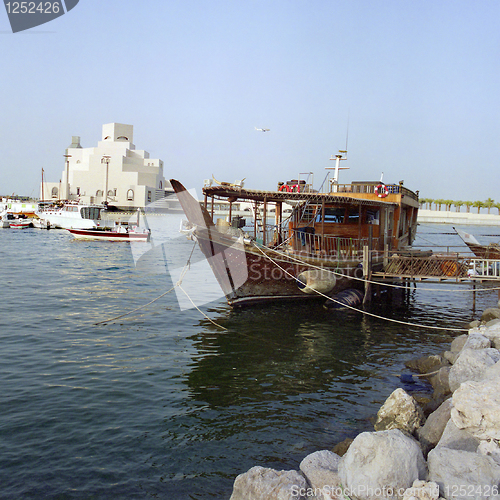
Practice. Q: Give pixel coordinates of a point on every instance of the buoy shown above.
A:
(350, 297)
(316, 280)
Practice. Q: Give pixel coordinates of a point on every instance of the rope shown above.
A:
(185, 269)
(359, 310)
(373, 282)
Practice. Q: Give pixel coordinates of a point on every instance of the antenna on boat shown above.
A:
(335, 181)
(382, 178)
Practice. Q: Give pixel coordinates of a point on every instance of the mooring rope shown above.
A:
(364, 280)
(185, 269)
(360, 310)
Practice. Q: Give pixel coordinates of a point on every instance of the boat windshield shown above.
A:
(91, 213)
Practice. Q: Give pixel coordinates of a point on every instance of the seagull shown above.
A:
(262, 129)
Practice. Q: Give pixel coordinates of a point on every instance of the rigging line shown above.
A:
(199, 310)
(298, 261)
(183, 273)
(365, 312)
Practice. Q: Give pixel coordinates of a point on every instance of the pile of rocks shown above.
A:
(454, 453)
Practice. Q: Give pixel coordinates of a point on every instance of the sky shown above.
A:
(411, 87)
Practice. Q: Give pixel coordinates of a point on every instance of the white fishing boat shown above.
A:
(68, 215)
(19, 223)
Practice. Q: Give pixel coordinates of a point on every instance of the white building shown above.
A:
(113, 172)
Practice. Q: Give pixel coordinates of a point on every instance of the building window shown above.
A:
(114, 192)
(122, 138)
(110, 192)
(54, 192)
(130, 195)
(149, 196)
(99, 193)
(78, 191)
(161, 184)
(107, 137)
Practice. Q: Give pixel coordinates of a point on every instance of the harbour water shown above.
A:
(163, 403)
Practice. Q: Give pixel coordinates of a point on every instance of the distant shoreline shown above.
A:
(459, 218)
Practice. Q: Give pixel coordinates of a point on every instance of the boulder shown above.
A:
(491, 449)
(492, 332)
(426, 364)
(261, 483)
(489, 314)
(381, 465)
(476, 408)
(441, 382)
(471, 365)
(477, 341)
(341, 448)
(430, 434)
(462, 475)
(422, 490)
(400, 411)
(492, 371)
(457, 439)
(458, 343)
(321, 470)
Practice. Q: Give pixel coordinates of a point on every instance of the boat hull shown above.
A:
(249, 274)
(83, 234)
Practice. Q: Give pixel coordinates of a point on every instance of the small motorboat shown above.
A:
(117, 233)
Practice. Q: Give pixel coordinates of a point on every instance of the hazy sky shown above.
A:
(416, 84)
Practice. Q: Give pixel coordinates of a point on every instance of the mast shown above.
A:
(335, 181)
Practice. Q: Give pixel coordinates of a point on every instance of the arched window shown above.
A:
(122, 138)
(161, 184)
(99, 193)
(54, 192)
(130, 195)
(110, 192)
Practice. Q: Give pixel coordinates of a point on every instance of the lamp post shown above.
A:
(67, 175)
(106, 159)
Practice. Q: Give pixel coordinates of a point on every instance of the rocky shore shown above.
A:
(445, 449)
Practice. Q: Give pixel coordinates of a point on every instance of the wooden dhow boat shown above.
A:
(315, 251)
(491, 251)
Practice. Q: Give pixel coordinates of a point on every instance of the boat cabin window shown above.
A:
(333, 214)
(353, 215)
(91, 213)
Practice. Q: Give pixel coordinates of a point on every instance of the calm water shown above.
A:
(162, 403)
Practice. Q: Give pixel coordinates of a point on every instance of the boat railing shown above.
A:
(331, 246)
(369, 188)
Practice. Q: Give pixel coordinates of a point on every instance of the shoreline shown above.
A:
(447, 448)
(459, 218)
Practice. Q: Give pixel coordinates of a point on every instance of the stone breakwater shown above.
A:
(452, 454)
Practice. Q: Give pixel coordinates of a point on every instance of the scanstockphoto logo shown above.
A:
(26, 15)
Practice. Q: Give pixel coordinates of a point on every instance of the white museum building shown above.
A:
(113, 172)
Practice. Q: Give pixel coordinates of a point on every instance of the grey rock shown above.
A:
(430, 434)
(471, 365)
(489, 314)
(380, 465)
(261, 483)
(477, 341)
(426, 364)
(441, 382)
(462, 475)
(476, 408)
(422, 490)
(457, 439)
(400, 411)
(458, 343)
(321, 470)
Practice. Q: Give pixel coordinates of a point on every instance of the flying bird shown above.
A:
(262, 129)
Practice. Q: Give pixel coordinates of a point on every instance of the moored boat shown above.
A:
(67, 215)
(491, 251)
(117, 233)
(19, 223)
(316, 251)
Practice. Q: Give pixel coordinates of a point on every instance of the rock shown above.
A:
(471, 365)
(492, 371)
(463, 475)
(475, 323)
(441, 382)
(430, 434)
(422, 490)
(381, 465)
(477, 341)
(476, 408)
(491, 449)
(426, 364)
(489, 314)
(457, 439)
(321, 470)
(261, 483)
(341, 448)
(451, 357)
(400, 411)
(492, 332)
(458, 343)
